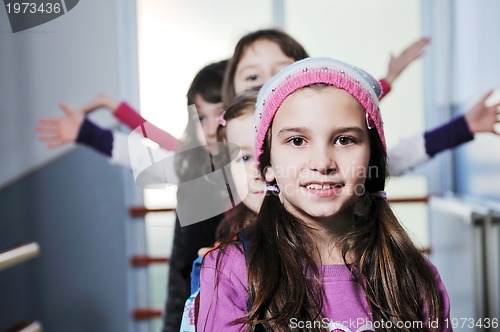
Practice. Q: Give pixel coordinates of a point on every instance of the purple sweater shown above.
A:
(345, 306)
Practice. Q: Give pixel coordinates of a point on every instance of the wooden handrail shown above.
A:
(141, 211)
(26, 327)
(144, 260)
(18, 255)
(147, 313)
(424, 199)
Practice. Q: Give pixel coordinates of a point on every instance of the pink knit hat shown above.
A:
(354, 80)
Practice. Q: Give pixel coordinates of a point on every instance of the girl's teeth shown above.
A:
(320, 187)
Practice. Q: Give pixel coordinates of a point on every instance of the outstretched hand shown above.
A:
(58, 131)
(399, 63)
(482, 118)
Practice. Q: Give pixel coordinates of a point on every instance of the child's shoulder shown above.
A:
(228, 259)
(432, 267)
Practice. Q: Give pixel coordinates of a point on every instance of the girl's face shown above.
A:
(320, 152)
(208, 115)
(260, 61)
(249, 185)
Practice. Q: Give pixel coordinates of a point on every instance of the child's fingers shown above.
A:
(49, 138)
(496, 126)
(66, 109)
(415, 50)
(485, 97)
(43, 128)
(420, 44)
(49, 121)
(56, 144)
(424, 41)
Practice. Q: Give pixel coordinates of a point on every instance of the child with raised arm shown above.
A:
(205, 94)
(326, 252)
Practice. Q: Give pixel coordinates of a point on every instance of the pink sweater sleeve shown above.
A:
(223, 291)
(133, 120)
(386, 88)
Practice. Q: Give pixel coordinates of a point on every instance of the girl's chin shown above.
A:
(213, 148)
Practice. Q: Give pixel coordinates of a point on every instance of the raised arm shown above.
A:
(410, 152)
(101, 100)
(399, 63)
(133, 120)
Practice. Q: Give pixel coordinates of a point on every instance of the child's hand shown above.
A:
(482, 118)
(399, 63)
(101, 100)
(58, 131)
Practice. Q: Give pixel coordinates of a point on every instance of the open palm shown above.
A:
(482, 118)
(59, 131)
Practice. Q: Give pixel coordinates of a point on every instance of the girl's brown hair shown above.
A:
(288, 45)
(396, 279)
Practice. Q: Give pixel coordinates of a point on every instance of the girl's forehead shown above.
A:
(317, 105)
(206, 108)
(243, 121)
(261, 49)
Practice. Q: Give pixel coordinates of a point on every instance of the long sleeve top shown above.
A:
(224, 295)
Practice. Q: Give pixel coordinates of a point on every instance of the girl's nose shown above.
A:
(254, 172)
(265, 77)
(322, 160)
(211, 127)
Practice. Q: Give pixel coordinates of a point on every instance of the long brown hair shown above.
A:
(396, 279)
(287, 43)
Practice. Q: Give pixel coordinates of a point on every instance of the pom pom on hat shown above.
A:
(306, 72)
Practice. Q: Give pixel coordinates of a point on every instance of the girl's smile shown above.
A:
(323, 189)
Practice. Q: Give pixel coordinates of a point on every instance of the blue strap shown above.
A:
(244, 238)
(195, 275)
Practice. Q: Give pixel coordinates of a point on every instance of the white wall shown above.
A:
(76, 206)
(178, 38)
(68, 59)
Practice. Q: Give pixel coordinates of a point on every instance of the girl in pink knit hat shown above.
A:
(326, 252)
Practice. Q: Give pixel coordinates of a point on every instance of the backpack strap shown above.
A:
(244, 237)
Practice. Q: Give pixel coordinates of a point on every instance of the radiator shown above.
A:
(464, 237)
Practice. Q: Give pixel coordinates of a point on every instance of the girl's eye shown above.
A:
(345, 140)
(201, 118)
(251, 78)
(244, 158)
(296, 141)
